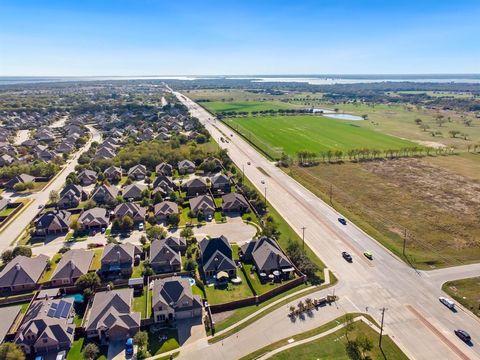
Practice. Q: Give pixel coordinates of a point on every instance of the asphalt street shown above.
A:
(414, 317)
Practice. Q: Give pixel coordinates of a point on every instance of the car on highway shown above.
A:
(368, 255)
(40, 206)
(342, 221)
(263, 182)
(463, 335)
(248, 163)
(447, 302)
(347, 256)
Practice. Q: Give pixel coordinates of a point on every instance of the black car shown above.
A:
(347, 256)
(342, 221)
(462, 334)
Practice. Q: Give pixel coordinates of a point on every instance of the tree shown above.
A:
(190, 265)
(127, 223)
(349, 324)
(11, 351)
(365, 344)
(352, 350)
(88, 283)
(156, 232)
(54, 197)
(186, 233)
(173, 219)
(90, 352)
(7, 256)
(89, 204)
(22, 250)
(75, 225)
(141, 339)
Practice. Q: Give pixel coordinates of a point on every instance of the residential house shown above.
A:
(22, 273)
(22, 178)
(134, 211)
(137, 172)
(164, 169)
(73, 264)
(216, 256)
(71, 196)
(133, 192)
(234, 202)
(163, 258)
(172, 299)
(6, 159)
(53, 223)
(266, 255)
(164, 209)
(93, 219)
(220, 184)
(48, 327)
(113, 173)
(119, 259)
(203, 204)
(105, 194)
(186, 167)
(87, 177)
(195, 187)
(111, 318)
(177, 243)
(164, 184)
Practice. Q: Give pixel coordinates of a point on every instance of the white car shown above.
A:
(447, 302)
(140, 226)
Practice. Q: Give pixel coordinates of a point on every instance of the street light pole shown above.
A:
(381, 329)
(303, 238)
(265, 196)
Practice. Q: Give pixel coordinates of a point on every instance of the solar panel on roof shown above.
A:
(54, 305)
(66, 310)
(51, 313)
(61, 304)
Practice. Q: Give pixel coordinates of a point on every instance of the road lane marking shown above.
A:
(438, 333)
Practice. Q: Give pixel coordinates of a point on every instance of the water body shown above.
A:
(332, 114)
(311, 79)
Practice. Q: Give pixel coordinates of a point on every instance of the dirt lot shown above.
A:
(439, 208)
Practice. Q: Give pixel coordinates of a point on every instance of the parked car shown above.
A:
(347, 256)
(61, 355)
(103, 230)
(140, 226)
(342, 221)
(209, 217)
(463, 335)
(447, 302)
(129, 347)
(368, 255)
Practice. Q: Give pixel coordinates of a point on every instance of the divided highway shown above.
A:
(414, 318)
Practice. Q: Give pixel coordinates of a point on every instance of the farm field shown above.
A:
(438, 208)
(248, 106)
(290, 134)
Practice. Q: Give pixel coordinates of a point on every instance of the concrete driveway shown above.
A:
(191, 330)
(234, 229)
(116, 350)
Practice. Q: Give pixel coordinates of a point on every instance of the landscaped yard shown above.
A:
(138, 270)
(256, 283)
(230, 292)
(97, 258)
(140, 304)
(75, 352)
(157, 346)
(466, 292)
(53, 265)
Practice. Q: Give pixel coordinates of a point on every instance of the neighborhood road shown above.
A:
(414, 318)
(41, 198)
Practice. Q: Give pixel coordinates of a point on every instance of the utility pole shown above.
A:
(331, 192)
(303, 238)
(381, 329)
(265, 196)
(404, 241)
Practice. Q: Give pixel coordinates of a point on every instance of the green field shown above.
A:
(290, 134)
(466, 292)
(248, 106)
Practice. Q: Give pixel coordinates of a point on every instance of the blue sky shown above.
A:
(206, 37)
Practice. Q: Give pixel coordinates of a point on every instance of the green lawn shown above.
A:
(256, 283)
(290, 134)
(332, 346)
(248, 106)
(140, 304)
(155, 346)
(230, 293)
(138, 270)
(53, 265)
(466, 292)
(96, 261)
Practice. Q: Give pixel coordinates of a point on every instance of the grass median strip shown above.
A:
(242, 313)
